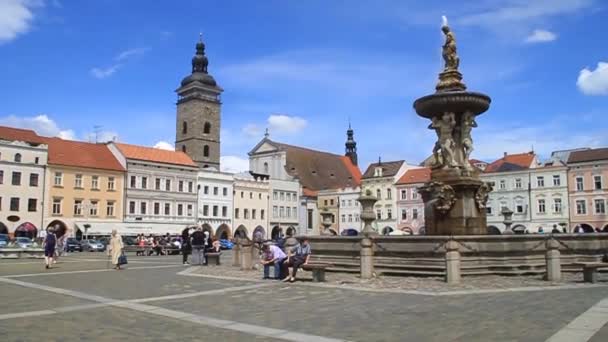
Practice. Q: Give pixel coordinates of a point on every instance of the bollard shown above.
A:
(236, 253)
(246, 253)
(552, 261)
(452, 262)
(367, 258)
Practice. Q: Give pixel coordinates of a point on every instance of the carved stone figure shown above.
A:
(481, 196)
(442, 196)
(444, 127)
(449, 53)
(466, 126)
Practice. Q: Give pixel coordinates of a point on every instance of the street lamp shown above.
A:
(508, 215)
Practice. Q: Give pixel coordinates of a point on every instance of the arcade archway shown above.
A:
(387, 230)
(241, 232)
(207, 228)
(259, 233)
(276, 233)
(587, 228)
(493, 230)
(60, 228)
(3, 228)
(223, 232)
(291, 231)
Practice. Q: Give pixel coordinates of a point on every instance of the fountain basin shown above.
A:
(453, 101)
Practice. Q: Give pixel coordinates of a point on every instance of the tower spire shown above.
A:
(351, 145)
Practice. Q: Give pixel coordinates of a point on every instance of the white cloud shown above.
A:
(234, 164)
(41, 124)
(280, 123)
(594, 82)
(252, 130)
(102, 73)
(120, 59)
(130, 53)
(16, 18)
(541, 36)
(163, 145)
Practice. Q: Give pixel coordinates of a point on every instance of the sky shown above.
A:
(305, 69)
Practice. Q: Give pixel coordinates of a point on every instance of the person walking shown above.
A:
(186, 246)
(49, 243)
(115, 248)
(298, 256)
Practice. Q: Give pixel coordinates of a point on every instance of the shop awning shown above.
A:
(130, 228)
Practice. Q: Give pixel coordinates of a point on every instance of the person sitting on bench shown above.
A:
(297, 256)
(273, 256)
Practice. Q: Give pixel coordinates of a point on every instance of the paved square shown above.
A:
(157, 298)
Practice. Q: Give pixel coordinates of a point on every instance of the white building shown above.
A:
(410, 206)
(283, 207)
(22, 175)
(251, 198)
(215, 199)
(161, 189)
(349, 208)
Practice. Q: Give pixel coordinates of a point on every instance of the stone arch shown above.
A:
(276, 233)
(223, 232)
(605, 230)
(26, 229)
(59, 226)
(207, 127)
(241, 232)
(206, 151)
(587, 228)
(519, 229)
(291, 231)
(387, 230)
(408, 230)
(208, 228)
(493, 230)
(259, 231)
(3, 228)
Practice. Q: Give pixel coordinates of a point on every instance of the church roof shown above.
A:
(155, 155)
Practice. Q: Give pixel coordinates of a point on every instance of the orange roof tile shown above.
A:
(512, 162)
(414, 176)
(81, 154)
(155, 155)
(18, 134)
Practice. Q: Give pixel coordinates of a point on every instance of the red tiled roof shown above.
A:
(512, 162)
(81, 154)
(309, 193)
(414, 176)
(588, 155)
(155, 155)
(18, 134)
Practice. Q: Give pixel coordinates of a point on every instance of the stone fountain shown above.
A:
(455, 198)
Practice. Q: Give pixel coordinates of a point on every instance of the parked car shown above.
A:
(349, 232)
(93, 246)
(24, 242)
(73, 245)
(4, 239)
(128, 241)
(104, 240)
(226, 244)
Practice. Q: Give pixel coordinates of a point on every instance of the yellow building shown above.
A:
(85, 185)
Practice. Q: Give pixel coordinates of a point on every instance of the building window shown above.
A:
(17, 158)
(282, 196)
(242, 194)
(1, 177)
(184, 127)
(236, 213)
(518, 183)
(378, 194)
(379, 214)
(133, 182)
(189, 210)
(557, 205)
(488, 210)
(206, 210)
(275, 211)
(180, 186)
(206, 151)
(206, 190)
(600, 206)
(289, 197)
(216, 191)
(110, 209)
(225, 192)
(168, 185)
(16, 178)
(58, 179)
(156, 208)
(282, 212)
(350, 217)
(93, 209)
(225, 212)
(157, 184)
(309, 221)
(378, 172)
(403, 214)
(295, 212)
(356, 217)
(597, 182)
(502, 184)
(260, 195)
(288, 212)
(389, 194)
(579, 184)
(519, 208)
(389, 214)
(414, 214)
(167, 209)
(215, 211)
(581, 207)
(414, 194)
(110, 183)
(540, 181)
(184, 148)
(33, 179)
(343, 218)
(265, 168)
(261, 214)
(77, 207)
(343, 203)
(142, 207)
(190, 187)
(144, 182)
(541, 206)
(180, 210)
(331, 202)
(32, 205)
(36, 160)
(275, 195)
(95, 182)
(403, 194)
(78, 181)
(56, 206)
(14, 204)
(207, 128)
(246, 214)
(132, 207)
(557, 180)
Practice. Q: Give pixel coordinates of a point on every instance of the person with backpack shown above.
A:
(49, 243)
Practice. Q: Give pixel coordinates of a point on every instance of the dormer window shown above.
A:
(378, 172)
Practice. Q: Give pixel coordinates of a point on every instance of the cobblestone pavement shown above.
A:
(158, 299)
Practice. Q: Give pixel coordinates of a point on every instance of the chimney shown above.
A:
(505, 154)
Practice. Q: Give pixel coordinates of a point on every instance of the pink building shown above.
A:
(410, 207)
(588, 189)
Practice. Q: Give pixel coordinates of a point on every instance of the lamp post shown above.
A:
(508, 215)
(367, 212)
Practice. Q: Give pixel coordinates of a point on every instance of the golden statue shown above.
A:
(449, 53)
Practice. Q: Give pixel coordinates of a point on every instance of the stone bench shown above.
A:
(318, 271)
(590, 270)
(19, 253)
(213, 257)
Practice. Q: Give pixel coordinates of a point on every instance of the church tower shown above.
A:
(197, 129)
(351, 145)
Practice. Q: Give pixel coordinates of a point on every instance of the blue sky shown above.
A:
(303, 68)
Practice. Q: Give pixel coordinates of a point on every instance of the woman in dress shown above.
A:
(49, 243)
(115, 248)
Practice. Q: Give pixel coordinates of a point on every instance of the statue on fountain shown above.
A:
(444, 127)
(450, 56)
(450, 79)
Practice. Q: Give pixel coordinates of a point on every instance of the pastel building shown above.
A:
(215, 200)
(410, 206)
(251, 203)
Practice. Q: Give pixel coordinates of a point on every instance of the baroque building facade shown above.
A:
(410, 207)
(215, 201)
(251, 203)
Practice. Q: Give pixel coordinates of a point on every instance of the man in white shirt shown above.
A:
(273, 256)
